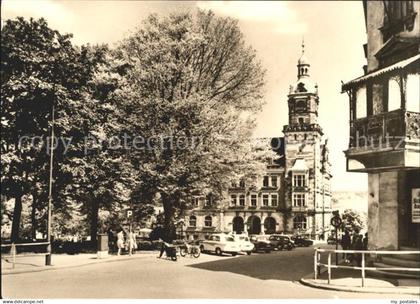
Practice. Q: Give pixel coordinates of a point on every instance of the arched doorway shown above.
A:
(254, 225)
(270, 225)
(238, 224)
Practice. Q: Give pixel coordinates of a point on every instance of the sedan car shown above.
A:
(221, 243)
(245, 244)
(302, 241)
(261, 243)
(280, 242)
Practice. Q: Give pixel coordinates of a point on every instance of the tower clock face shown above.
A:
(300, 106)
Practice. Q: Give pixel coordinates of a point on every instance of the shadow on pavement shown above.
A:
(281, 265)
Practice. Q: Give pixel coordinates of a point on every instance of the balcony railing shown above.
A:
(384, 130)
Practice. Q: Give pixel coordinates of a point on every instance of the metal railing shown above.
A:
(362, 268)
(13, 252)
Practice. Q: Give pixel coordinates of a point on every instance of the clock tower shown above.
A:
(306, 153)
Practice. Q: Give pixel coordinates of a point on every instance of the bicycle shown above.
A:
(192, 250)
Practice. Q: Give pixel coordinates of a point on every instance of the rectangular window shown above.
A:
(242, 200)
(196, 201)
(265, 199)
(265, 181)
(299, 180)
(361, 103)
(233, 200)
(274, 181)
(299, 200)
(253, 200)
(242, 184)
(208, 201)
(274, 200)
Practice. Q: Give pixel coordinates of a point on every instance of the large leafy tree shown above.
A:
(37, 71)
(41, 69)
(191, 91)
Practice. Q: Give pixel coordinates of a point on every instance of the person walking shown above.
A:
(365, 242)
(120, 240)
(345, 244)
(131, 242)
(359, 246)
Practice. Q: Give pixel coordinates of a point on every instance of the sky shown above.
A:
(333, 32)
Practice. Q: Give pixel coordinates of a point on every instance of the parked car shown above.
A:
(280, 242)
(245, 244)
(261, 243)
(220, 243)
(299, 240)
(144, 243)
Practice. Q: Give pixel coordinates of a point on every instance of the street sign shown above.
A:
(129, 213)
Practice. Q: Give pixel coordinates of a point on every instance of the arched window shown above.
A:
(193, 221)
(299, 222)
(208, 222)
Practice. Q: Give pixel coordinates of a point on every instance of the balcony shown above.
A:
(389, 140)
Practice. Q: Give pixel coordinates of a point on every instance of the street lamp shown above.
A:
(50, 183)
(48, 256)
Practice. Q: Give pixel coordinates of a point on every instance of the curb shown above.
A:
(98, 261)
(380, 290)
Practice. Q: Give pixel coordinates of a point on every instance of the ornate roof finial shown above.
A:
(303, 45)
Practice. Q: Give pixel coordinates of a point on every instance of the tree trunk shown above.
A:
(17, 213)
(94, 223)
(169, 219)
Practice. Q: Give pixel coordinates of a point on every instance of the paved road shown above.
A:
(272, 275)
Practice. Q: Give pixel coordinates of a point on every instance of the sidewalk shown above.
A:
(350, 280)
(32, 263)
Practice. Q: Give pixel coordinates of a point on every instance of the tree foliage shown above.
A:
(352, 221)
(190, 79)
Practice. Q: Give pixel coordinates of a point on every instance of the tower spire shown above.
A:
(303, 45)
(303, 63)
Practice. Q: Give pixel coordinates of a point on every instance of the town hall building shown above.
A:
(294, 194)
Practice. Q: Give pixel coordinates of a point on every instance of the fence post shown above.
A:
(316, 264)
(363, 269)
(13, 255)
(329, 267)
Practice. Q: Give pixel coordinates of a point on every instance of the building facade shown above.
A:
(294, 195)
(384, 123)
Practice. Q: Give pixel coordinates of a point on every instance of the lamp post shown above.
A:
(52, 141)
(48, 256)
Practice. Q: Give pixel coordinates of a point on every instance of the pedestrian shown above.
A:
(345, 244)
(131, 242)
(358, 246)
(163, 247)
(365, 242)
(111, 240)
(120, 240)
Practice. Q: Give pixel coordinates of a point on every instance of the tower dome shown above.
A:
(304, 84)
